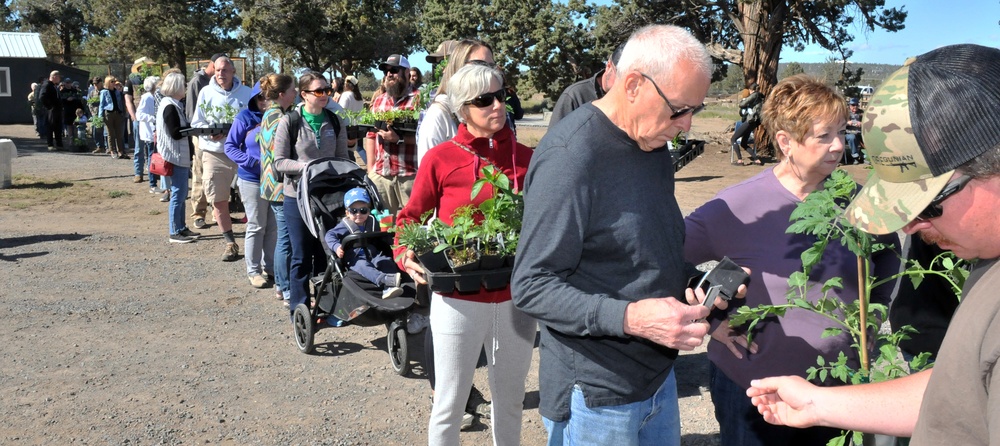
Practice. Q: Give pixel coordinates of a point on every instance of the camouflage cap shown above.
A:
(917, 129)
(901, 183)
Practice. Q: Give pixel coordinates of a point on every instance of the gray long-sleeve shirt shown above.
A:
(601, 229)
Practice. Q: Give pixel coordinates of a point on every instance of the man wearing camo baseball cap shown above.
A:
(933, 134)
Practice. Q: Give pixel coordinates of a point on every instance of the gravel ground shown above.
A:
(114, 336)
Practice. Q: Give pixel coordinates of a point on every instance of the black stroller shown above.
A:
(340, 292)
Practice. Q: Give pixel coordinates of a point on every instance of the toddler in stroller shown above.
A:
(375, 266)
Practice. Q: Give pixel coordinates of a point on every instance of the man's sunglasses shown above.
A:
(394, 70)
(320, 92)
(677, 112)
(356, 211)
(934, 210)
(486, 100)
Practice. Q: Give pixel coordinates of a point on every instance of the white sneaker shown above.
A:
(467, 420)
(392, 292)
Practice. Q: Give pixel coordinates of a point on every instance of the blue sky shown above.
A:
(929, 24)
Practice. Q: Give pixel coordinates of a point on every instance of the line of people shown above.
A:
(605, 253)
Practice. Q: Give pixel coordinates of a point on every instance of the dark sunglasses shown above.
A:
(394, 70)
(320, 92)
(486, 100)
(356, 211)
(934, 210)
(677, 112)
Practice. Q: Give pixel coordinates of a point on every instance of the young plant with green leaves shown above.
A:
(221, 114)
(820, 215)
(502, 212)
(461, 237)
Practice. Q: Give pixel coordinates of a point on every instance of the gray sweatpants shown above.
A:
(461, 329)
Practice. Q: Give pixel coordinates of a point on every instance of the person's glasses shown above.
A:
(356, 211)
(934, 210)
(393, 70)
(320, 92)
(677, 112)
(486, 100)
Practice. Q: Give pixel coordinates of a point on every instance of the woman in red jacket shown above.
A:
(464, 324)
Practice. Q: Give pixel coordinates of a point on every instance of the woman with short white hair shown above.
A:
(463, 325)
(175, 148)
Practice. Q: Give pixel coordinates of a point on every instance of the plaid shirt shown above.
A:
(395, 159)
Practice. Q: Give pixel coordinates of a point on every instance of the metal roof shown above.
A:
(23, 45)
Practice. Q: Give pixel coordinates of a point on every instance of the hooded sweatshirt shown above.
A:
(241, 144)
(213, 94)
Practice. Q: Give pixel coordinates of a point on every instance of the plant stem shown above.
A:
(864, 314)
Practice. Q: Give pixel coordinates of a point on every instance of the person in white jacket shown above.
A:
(146, 117)
(439, 123)
(219, 103)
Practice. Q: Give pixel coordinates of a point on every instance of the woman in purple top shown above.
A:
(747, 222)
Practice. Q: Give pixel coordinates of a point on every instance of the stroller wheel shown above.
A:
(304, 330)
(398, 348)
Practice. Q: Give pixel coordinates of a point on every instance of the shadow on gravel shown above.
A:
(531, 400)
(112, 177)
(43, 185)
(337, 348)
(16, 242)
(692, 374)
(699, 440)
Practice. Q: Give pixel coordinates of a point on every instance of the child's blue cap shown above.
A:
(355, 195)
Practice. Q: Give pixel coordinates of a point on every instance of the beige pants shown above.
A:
(199, 205)
(218, 174)
(394, 191)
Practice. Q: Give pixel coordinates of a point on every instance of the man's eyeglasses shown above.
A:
(486, 100)
(356, 211)
(394, 70)
(320, 92)
(677, 112)
(934, 210)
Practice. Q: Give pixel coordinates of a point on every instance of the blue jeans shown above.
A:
(140, 160)
(99, 137)
(308, 258)
(655, 421)
(741, 425)
(282, 249)
(178, 193)
(135, 134)
(852, 143)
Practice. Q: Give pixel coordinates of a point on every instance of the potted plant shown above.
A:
(220, 119)
(501, 213)
(364, 120)
(351, 120)
(403, 121)
(460, 240)
(420, 239)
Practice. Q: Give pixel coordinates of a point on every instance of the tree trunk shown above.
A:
(178, 58)
(66, 38)
(762, 39)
